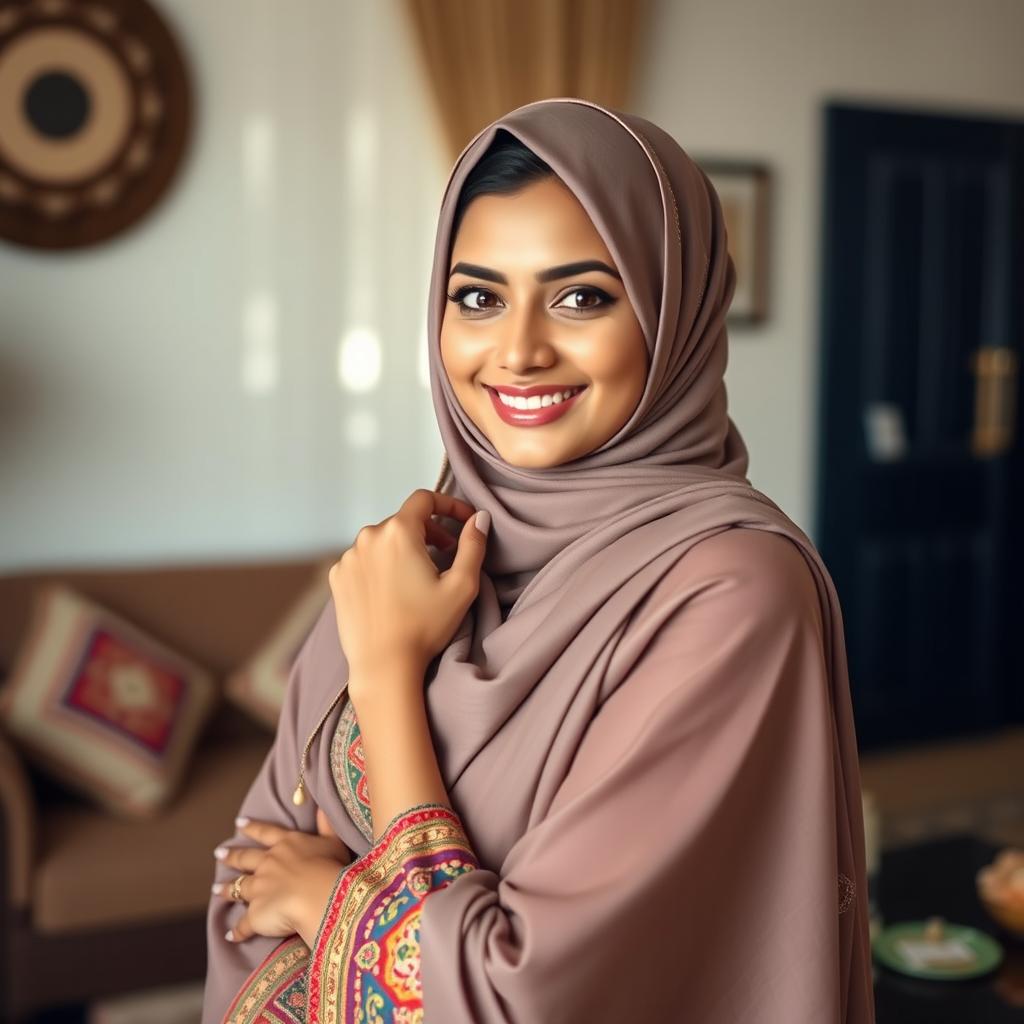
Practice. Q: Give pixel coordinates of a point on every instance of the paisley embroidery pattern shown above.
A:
(365, 966)
(275, 993)
(348, 767)
(365, 962)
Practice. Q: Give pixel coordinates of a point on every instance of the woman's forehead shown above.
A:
(543, 223)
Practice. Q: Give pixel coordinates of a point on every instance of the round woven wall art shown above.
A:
(95, 113)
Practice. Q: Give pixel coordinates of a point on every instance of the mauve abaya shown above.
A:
(644, 721)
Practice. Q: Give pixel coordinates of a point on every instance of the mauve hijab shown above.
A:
(603, 894)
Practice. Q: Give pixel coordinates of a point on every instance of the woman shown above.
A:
(598, 764)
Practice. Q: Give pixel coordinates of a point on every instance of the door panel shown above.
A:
(919, 455)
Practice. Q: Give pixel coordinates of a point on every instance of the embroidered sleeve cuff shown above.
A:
(366, 950)
(276, 990)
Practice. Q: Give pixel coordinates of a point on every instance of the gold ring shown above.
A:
(236, 888)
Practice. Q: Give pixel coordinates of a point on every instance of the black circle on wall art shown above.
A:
(95, 115)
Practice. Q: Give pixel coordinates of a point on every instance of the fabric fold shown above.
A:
(644, 721)
(686, 868)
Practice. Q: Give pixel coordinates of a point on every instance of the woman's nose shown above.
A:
(523, 342)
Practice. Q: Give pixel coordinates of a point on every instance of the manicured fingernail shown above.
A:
(221, 852)
(229, 935)
(241, 822)
(482, 521)
(217, 888)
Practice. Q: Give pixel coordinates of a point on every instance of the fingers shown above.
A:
(241, 931)
(446, 505)
(424, 503)
(245, 858)
(264, 832)
(422, 506)
(232, 891)
(437, 534)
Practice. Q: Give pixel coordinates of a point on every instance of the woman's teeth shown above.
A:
(537, 401)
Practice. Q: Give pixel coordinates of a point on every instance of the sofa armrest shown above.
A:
(17, 824)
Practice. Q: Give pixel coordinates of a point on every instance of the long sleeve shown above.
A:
(231, 964)
(365, 961)
(366, 950)
(687, 866)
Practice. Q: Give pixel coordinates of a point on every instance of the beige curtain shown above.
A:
(482, 58)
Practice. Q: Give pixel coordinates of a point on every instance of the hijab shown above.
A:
(596, 903)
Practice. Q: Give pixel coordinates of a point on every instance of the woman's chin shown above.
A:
(532, 459)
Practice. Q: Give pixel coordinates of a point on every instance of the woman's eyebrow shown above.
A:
(551, 274)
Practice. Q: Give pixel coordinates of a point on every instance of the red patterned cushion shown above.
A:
(102, 705)
(258, 686)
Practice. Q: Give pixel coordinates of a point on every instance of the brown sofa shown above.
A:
(94, 905)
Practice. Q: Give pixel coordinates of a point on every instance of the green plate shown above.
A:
(964, 952)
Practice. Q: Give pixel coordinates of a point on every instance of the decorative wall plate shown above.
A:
(95, 115)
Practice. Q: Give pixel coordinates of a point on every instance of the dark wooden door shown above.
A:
(919, 502)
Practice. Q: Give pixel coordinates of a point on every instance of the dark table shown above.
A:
(937, 878)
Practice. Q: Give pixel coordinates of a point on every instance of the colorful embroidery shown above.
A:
(275, 993)
(366, 965)
(348, 766)
(365, 961)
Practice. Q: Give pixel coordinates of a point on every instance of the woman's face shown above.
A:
(535, 302)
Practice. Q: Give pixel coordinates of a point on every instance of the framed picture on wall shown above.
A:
(744, 189)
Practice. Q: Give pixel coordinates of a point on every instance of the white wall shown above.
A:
(174, 394)
(748, 79)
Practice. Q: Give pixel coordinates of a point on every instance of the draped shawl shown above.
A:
(604, 897)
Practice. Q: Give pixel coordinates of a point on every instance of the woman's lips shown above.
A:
(532, 417)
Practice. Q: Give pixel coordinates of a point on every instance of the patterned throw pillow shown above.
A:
(103, 706)
(258, 686)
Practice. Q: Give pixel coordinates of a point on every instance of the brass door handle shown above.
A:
(995, 398)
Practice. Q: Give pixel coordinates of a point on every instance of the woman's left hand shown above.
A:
(287, 881)
(392, 604)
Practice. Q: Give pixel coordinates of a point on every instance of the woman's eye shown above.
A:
(459, 296)
(602, 297)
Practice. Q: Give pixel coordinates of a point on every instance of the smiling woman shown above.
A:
(548, 359)
(598, 763)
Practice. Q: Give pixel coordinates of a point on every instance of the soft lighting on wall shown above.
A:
(361, 139)
(359, 360)
(257, 159)
(260, 357)
(360, 428)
